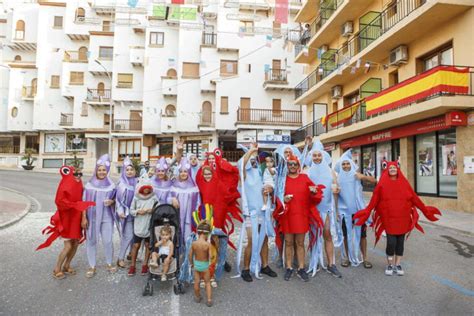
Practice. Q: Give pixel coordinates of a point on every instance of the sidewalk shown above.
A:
(13, 206)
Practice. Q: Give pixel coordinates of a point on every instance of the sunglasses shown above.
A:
(77, 174)
(292, 164)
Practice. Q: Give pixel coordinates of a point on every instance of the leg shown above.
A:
(345, 263)
(106, 233)
(135, 248)
(126, 240)
(62, 256)
(248, 249)
(390, 250)
(197, 290)
(299, 238)
(289, 249)
(166, 265)
(71, 254)
(328, 244)
(91, 248)
(264, 253)
(399, 248)
(207, 281)
(147, 252)
(154, 259)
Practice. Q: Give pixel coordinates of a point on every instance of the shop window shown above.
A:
(356, 156)
(125, 80)
(165, 146)
(157, 38)
(368, 165)
(32, 142)
(448, 164)
(425, 161)
(52, 163)
(76, 142)
(71, 162)
(10, 144)
(54, 143)
(229, 68)
(131, 148)
(58, 22)
(384, 153)
(190, 70)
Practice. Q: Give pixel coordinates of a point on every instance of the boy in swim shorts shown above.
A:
(200, 255)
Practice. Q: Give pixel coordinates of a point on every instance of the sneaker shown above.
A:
(144, 269)
(268, 272)
(303, 275)
(288, 274)
(163, 277)
(132, 270)
(399, 270)
(111, 268)
(227, 267)
(389, 270)
(246, 275)
(332, 269)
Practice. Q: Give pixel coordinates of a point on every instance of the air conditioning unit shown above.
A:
(336, 92)
(347, 29)
(323, 49)
(399, 55)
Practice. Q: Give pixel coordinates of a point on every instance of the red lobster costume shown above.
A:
(221, 192)
(66, 222)
(395, 203)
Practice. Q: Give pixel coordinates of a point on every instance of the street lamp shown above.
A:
(110, 108)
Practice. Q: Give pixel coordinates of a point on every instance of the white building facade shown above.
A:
(87, 78)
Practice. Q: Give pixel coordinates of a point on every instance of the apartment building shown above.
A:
(393, 79)
(91, 77)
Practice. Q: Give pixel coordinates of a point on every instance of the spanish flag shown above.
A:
(341, 116)
(441, 79)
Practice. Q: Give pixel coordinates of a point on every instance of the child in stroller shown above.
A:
(163, 251)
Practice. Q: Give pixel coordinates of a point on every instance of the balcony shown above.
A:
(75, 57)
(445, 88)
(28, 93)
(137, 56)
(308, 11)
(66, 119)
(99, 97)
(315, 128)
(269, 117)
(169, 86)
(276, 79)
(209, 39)
(87, 20)
(127, 125)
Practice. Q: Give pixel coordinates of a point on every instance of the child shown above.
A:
(142, 208)
(163, 250)
(268, 179)
(200, 256)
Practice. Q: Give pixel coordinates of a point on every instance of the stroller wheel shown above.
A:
(176, 289)
(227, 267)
(151, 290)
(146, 289)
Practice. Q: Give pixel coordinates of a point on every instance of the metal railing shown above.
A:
(28, 92)
(274, 74)
(9, 149)
(66, 119)
(75, 56)
(232, 155)
(266, 116)
(209, 39)
(315, 128)
(127, 125)
(98, 95)
(382, 23)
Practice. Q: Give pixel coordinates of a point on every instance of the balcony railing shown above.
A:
(75, 57)
(9, 149)
(275, 75)
(315, 128)
(232, 155)
(209, 39)
(28, 92)
(66, 119)
(127, 125)
(382, 23)
(437, 84)
(86, 20)
(98, 95)
(265, 116)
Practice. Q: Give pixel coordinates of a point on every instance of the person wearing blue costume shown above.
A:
(350, 200)
(321, 174)
(257, 223)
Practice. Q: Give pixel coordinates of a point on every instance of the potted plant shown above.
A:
(29, 159)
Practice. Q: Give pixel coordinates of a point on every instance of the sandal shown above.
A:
(197, 299)
(111, 268)
(69, 271)
(213, 283)
(209, 303)
(59, 275)
(345, 263)
(367, 265)
(121, 264)
(90, 273)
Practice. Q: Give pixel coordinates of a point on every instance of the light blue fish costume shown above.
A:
(349, 202)
(252, 201)
(322, 174)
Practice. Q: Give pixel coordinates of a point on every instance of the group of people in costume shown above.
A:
(287, 197)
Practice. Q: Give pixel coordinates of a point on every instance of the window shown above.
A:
(224, 105)
(170, 110)
(106, 52)
(171, 73)
(10, 144)
(84, 109)
(54, 143)
(368, 165)
(131, 148)
(157, 38)
(76, 78)
(425, 160)
(276, 28)
(393, 78)
(206, 113)
(447, 166)
(246, 27)
(190, 70)
(351, 98)
(125, 81)
(14, 112)
(76, 142)
(443, 56)
(165, 146)
(82, 54)
(276, 107)
(106, 26)
(52, 163)
(20, 30)
(58, 22)
(106, 119)
(17, 58)
(80, 14)
(54, 81)
(229, 67)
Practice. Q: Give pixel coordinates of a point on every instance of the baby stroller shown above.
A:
(164, 214)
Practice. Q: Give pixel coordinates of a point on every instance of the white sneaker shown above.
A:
(389, 270)
(399, 270)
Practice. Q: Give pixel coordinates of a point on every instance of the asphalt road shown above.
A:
(439, 278)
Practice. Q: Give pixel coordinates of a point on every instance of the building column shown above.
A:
(465, 182)
(407, 159)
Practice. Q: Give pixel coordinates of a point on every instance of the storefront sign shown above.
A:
(434, 124)
(264, 138)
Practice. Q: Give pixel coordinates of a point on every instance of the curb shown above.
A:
(457, 230)
(22, 214)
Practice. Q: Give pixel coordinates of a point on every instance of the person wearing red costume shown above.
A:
(299, 212)
(395, 203)
(66, 222)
